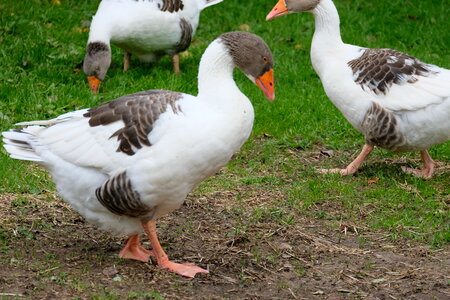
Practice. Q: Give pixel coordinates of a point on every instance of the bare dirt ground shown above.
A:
(48, 252)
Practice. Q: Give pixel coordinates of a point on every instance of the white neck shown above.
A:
(327, 35)
(100, 30)
(99, 34)
(327, 21)
(216, 71)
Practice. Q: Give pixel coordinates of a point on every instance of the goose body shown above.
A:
(397, 101)
(189, 142)
(129, 161)
(148, 29)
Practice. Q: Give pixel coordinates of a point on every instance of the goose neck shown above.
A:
(216, 70)
(327, 22)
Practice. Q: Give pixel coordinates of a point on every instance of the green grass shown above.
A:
(42, 46)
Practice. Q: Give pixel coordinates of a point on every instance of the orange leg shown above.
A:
(428, 166)
(134, 250)
(186, 269)
(354, 165)
(176, 64)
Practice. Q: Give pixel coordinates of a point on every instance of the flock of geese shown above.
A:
(129, 161)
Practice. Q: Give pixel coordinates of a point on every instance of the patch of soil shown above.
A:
(48, 251)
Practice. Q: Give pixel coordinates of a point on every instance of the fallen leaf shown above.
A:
(373, 180)
(329, 153)
(319, 292)
(378, 280)
(80, 30)
(185, 54)
(232, 280)
(56, 2)
(245, 27)
(343, 228)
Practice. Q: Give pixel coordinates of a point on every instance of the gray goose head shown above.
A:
(96, 63)
(284, 7)
(253, 57)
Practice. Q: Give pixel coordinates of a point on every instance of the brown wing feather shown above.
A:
(119, 197)
(171, 5)
(138, 112)
(378, 69)
(186, 36)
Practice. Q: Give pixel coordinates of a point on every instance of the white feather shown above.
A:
(207, 3)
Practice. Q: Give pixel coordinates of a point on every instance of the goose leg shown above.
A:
(354, 165)
(134, 250)
(126, 61)
(176, 64)
(186, 269)
(428, 166)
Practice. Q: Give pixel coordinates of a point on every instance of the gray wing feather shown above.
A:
(138, 112)
(378, 69)
(119, 197)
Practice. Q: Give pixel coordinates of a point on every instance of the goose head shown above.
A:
(253, 57)
(284, 7)
(96, 63)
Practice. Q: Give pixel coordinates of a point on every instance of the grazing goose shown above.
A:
(398, 102)
(131, 160)
(148, 29)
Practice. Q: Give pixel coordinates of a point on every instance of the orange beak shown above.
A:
(279, 10)
(266, 84)
(94, 84)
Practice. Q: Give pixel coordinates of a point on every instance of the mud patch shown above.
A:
(49, 251)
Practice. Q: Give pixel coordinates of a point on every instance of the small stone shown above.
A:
(110, 271)
(284, 246)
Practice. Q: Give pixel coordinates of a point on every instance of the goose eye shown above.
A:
(265, 59)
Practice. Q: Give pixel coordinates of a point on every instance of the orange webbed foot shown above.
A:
(425, 173)
(134, 250)
(185, 269)
(343, 172)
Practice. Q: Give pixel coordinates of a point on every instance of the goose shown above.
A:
(129, 161)
(397, 101)
(148, 29)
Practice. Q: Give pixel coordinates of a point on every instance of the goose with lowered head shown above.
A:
(131, 160)
(148, 29)
(397, 101)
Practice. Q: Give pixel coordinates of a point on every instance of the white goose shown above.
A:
(398, 102)
(131, 160)
(148, 29)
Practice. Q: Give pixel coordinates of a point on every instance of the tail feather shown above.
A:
(207, 3)
(17, 144)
